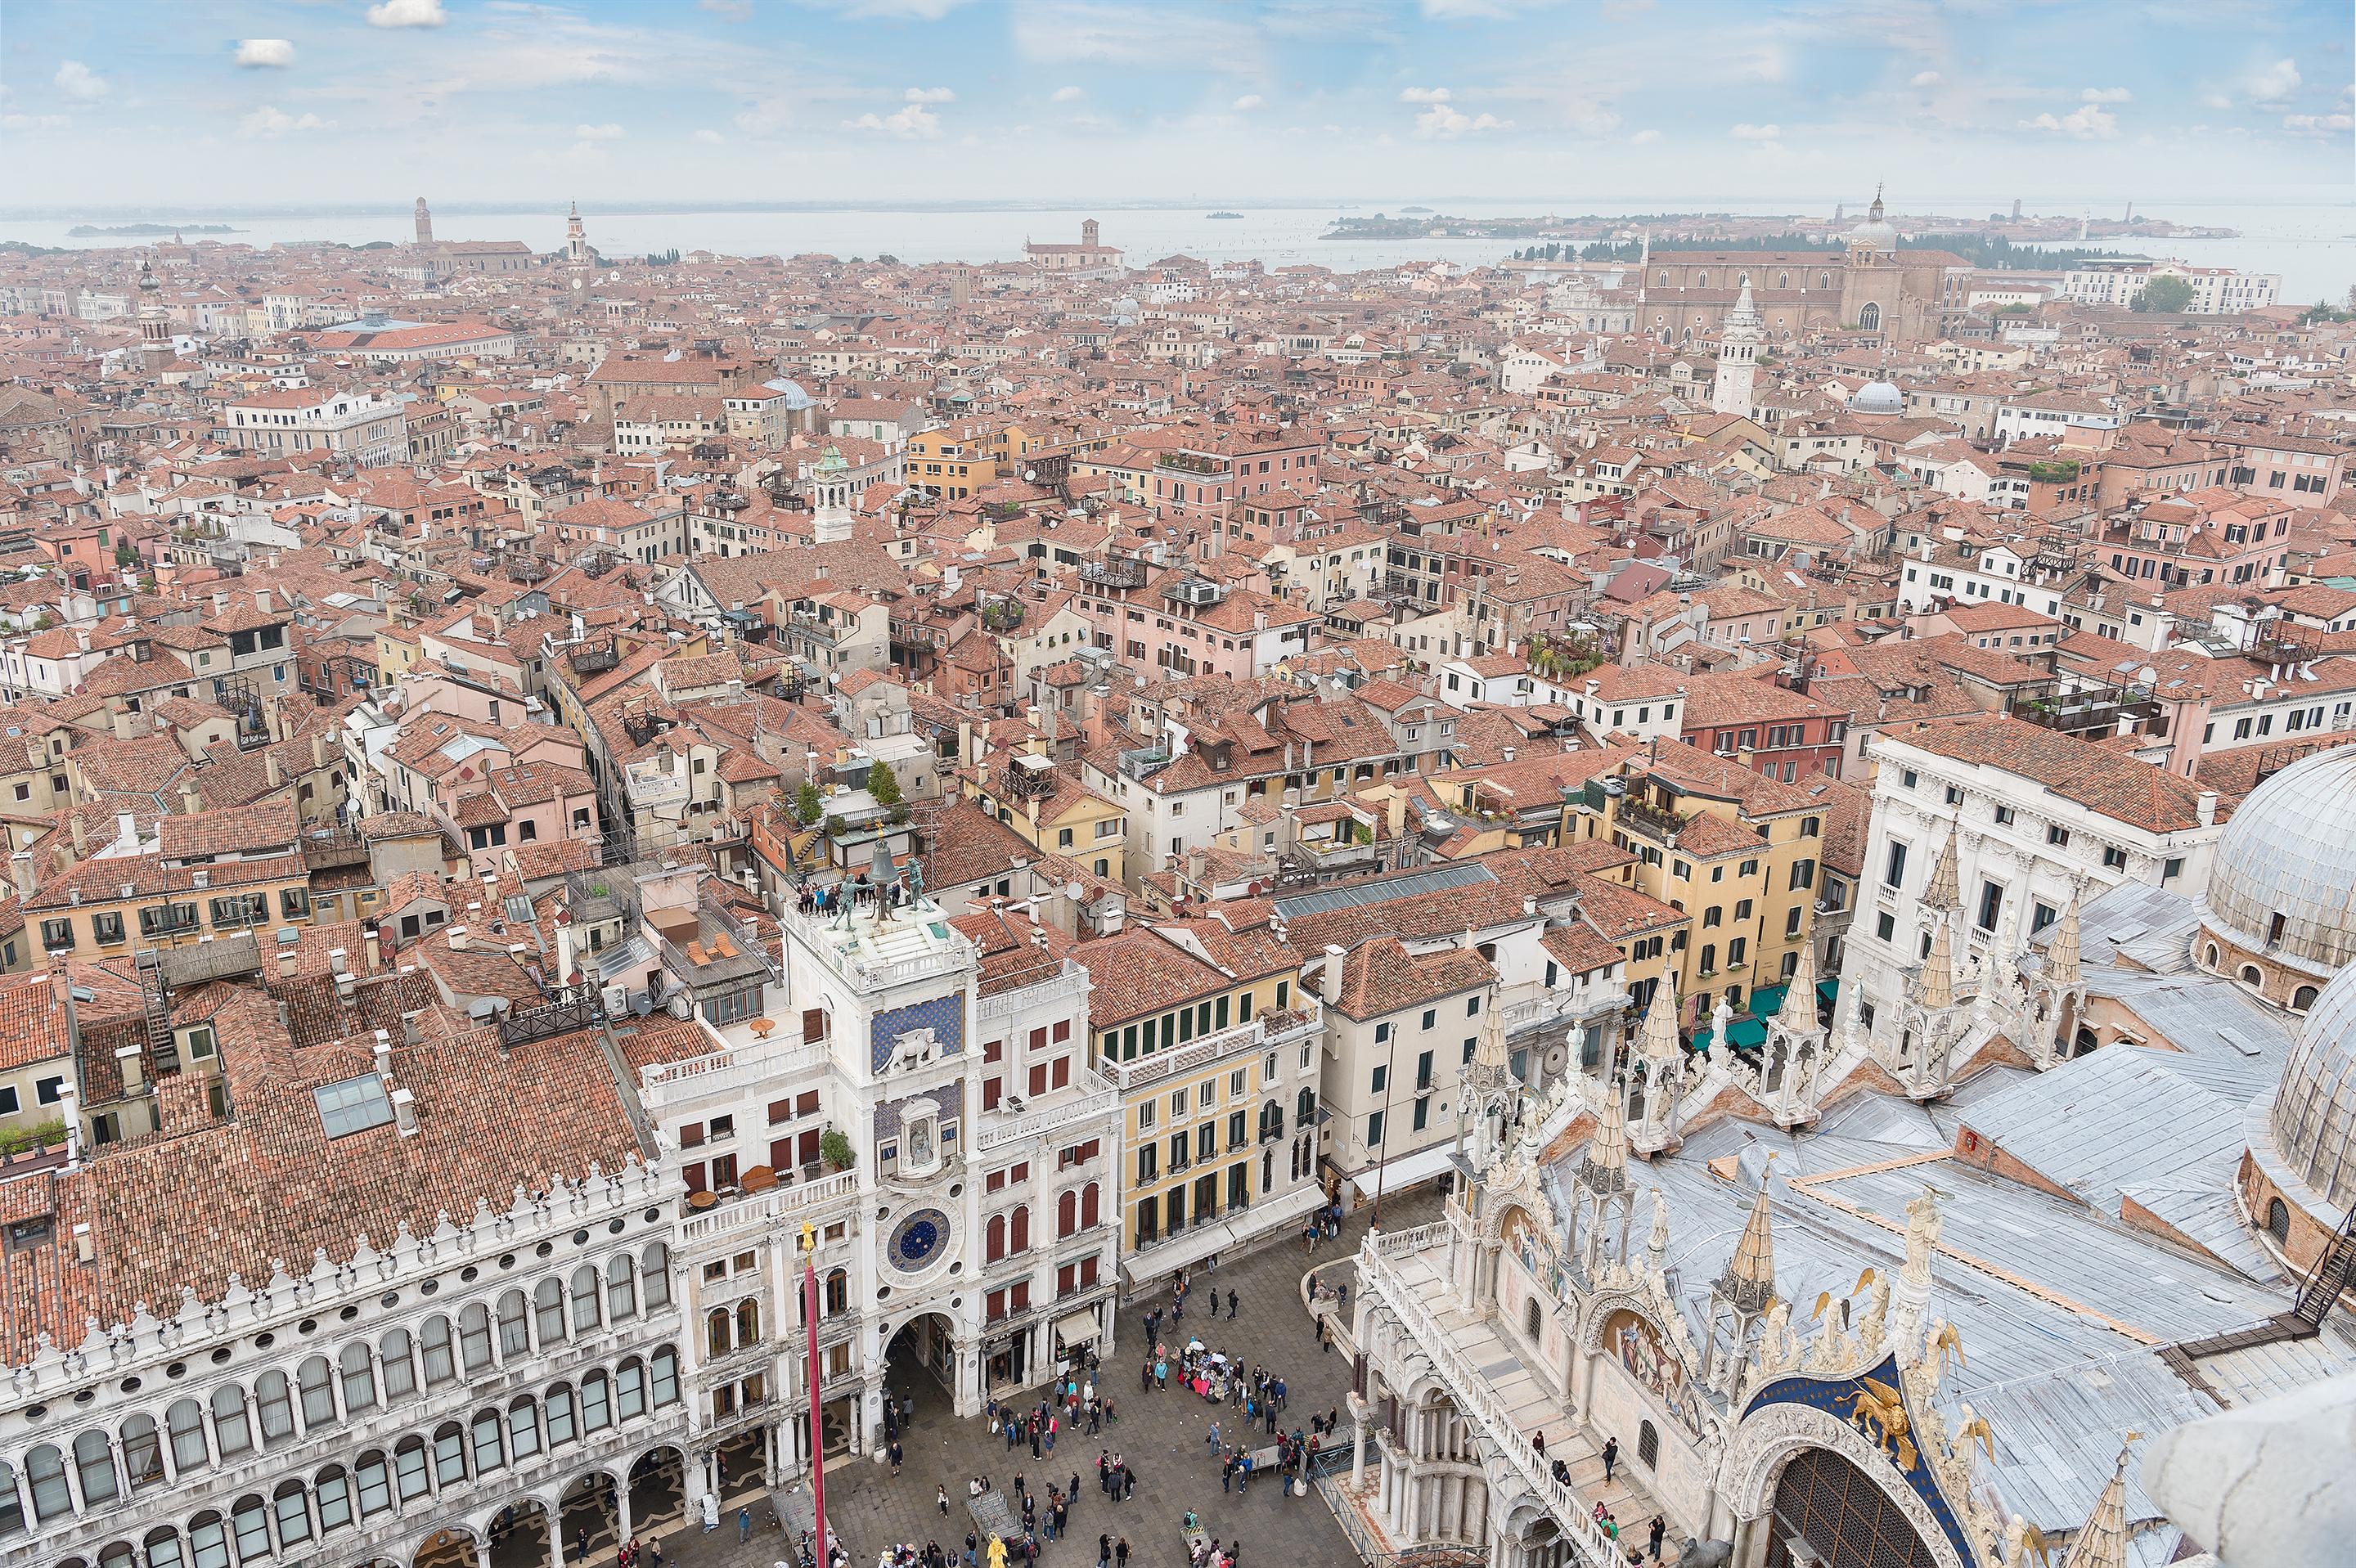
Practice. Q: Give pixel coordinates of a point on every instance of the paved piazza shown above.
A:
(1163, 1436)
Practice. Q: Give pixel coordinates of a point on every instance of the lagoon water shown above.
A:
(2312, 245)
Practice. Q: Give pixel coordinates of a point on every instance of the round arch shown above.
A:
(453, 1546)
(1767, 1441)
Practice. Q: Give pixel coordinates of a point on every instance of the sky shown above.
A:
(108, 103)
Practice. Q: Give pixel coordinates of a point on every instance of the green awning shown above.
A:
(1767, 1000)
(1828, 989)
(1746, 1034)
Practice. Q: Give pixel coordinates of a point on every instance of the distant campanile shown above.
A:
(424, 223)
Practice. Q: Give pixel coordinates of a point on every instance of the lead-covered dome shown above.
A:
(2315, 1109)
(1877, 398)
(2284, 879)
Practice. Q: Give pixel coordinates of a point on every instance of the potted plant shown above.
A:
(834, 1148)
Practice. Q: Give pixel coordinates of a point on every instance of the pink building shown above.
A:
(1177, 621)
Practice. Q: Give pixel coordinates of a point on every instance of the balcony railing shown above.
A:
(1269, 1028)
(1472, 1391)
(773, 1208)
(1096, 1100)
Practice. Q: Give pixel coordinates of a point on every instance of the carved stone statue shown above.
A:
(1921, 1235)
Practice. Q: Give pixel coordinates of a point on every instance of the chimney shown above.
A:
(383, 1052)
(126, 829)
(371, 950)
(404, 1112)
(190, 803)
(318, 750)
(20, 865)
(272, 772)
(564, 948)
(2205, 808)
(457, 939)
(1329, 980)
(288, 956)
(127, 1062)
(220, 603)
(80, 835)
(262, 599)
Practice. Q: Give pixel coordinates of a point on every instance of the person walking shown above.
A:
(743, 1525)
(581, 1544)
(896, 1457)
(941, 1496)
(1231, 1306)
(1121, 1553)
(1611, 1457)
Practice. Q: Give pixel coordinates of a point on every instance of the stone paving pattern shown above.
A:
(1163, 1436)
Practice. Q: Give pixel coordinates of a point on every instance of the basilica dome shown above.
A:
(1876, 232)
(2284, 881)
(1877, 398)
(2315, 1110)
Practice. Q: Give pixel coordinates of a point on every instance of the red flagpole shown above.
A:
(816, 1442)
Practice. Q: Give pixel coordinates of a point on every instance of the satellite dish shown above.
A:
(1029, 475)
(1072, 892)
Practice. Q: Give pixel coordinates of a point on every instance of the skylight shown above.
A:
(353, 1105)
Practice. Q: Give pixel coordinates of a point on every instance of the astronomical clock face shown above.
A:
(918, 1241)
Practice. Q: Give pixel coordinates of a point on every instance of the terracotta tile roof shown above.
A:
(2096, 777)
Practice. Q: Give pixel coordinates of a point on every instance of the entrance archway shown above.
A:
(520, 1536)
(446, 1549)
(658, 1488)
(920, 1369)
(1830, 1514)
(586, 1508)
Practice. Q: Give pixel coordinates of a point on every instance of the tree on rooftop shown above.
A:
(884, 785)
(2163, 296)
(808, 804)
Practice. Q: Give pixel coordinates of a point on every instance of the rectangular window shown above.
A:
(1894, 873)
(1375, 1130)
(1991, 904)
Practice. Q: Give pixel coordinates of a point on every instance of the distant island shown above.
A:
(1415, 209)
(1223, 215)
(1605, 236)
(143, 230)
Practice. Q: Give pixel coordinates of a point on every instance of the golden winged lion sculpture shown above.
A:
(1878, 1412)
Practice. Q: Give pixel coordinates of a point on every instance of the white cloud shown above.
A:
(1926, 78)
(1068, 94)
(1748, 133)
(1054, 31)
(1424, 95)
(2106, 95)
(2088, 122)
(910, 123)
(269, 121)
(35, 122)
(2215, 101)
(890, 10)
(261, 52)
(407, 14)
(2274, 84)
(2319, 126)
(929, 95)
(608, 131)
(728, 10)
(1444, 122)
(79, 82)
(1249, 102)
(711, 138)
(1643, 138)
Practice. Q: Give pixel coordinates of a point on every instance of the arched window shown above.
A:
(12, 1507)
(1664, 280)
(558, 1411)
(249, 1522)
(548, 1311)
(621, 1290)
(231, 1432)
(1648, 1446)
(94, 1465)
(1533, 1320)
(208, 1541)
(1067, 1214)
(596, 1402)
(409, 1469)
(475, 1338)
(163, 1549)
(1743, 281)
(45, 1468)
(2252, 977)
(142, 1452)
(715, 1331)
(360, 1382)
(1088, 1205)
(440, 1362)
(1304, 1106)
(373, 1476)
(2208, 956)
(1019, 1239)
(1823, 280)
(293, 1507)
(666, 1376)
(115, 1555)
(1783, 280)
(449, 1454)
(2278, 1220)
(524, 1428)
(393, 1353)
(1869, 317)
(273, 1407)
(185, 1424)
(748, 1321)
(515, 1340)
(653, 1275)
(317, 1386)
(333, 1489)
(585, 1298)
(994, 1238)
(1701, 280)
(2303, 998)
(838, 1292)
